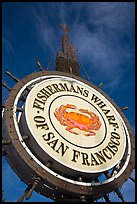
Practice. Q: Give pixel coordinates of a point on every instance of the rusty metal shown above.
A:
(25, 165)
(124, 108)
(66, 60)
(5, 85)
(13, 77)
(108, 175)
(3, 105)
(33, 185)
(24, 194)
(40, 67)
(20, 109)
(6, 142)
(25, 137)
(30, 167)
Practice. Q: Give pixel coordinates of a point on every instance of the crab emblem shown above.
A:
(77, 120)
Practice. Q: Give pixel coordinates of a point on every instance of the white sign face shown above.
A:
(75, 125)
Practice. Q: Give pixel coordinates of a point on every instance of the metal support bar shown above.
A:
(20, 109)
(124, 108)
(34, 184)
(100, 84)
(5, 85)
(24, 194)
(120, 195)
(40, 67)
(106, 198)
(28, 191)
(6, 142)
(22, 99)
(28, 89)
(108, 175)
(132, 179)
(9, 74)
(3, 105)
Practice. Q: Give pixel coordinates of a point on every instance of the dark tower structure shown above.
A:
(66, 60)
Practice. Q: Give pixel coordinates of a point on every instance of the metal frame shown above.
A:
(28, 167)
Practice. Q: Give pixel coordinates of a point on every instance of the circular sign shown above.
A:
(65, 133)
(73, 124)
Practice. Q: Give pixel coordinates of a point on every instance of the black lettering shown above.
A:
(53, 143)
(85, 159)
(100, 157)
(93, 160)
(115, 141)
(49, 136)
(95, 98)
(101, 104)
(106, 111)
(112, 148)
(115, 134)
(111, 117)
(72, 89)
(79, 90)
(114, 124)
(86, 92)
(108, 155)
(50, 89)
(63, 87)
(76, 154)
(39, 119)
(45, 92)
(42, 97)
(37, 105)
(63, 149)
(56, 87)
(43, 126)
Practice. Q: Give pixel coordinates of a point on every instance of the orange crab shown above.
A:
(77, 120)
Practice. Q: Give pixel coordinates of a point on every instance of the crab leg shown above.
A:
(69, 106)
(69, 128)
(94, 117)
(90, 134)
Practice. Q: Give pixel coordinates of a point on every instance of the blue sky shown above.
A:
(104, 36)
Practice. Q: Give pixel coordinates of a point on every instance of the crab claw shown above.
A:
(70, 106)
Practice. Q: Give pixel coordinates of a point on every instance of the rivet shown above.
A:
(80, 179)
(48, 164)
